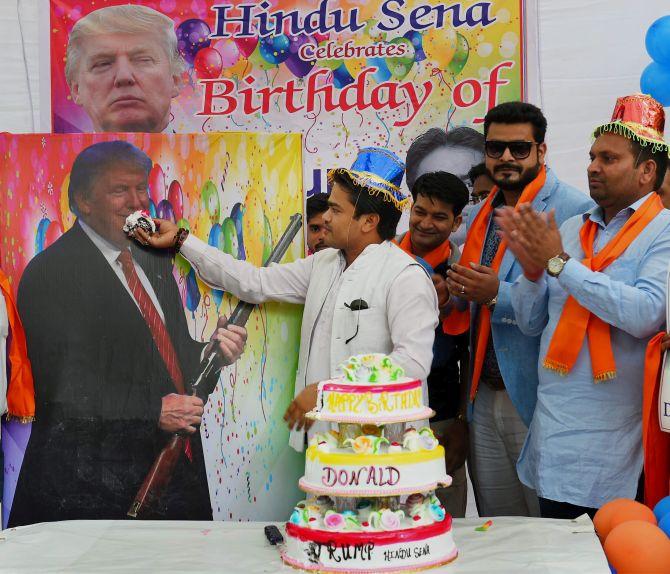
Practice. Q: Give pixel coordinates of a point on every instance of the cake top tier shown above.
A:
(374, 368)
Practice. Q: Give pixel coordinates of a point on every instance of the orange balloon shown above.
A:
(638, 547)
(617, 512)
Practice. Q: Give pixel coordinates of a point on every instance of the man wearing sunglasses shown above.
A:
(503, 371)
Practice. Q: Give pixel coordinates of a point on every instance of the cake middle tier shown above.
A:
(344, 473)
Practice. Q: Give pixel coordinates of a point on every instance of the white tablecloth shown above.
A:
(511, 545)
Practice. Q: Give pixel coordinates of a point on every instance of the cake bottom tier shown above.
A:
(369, 552)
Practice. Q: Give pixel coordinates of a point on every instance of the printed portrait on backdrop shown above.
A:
(113, 328)
(345, 74)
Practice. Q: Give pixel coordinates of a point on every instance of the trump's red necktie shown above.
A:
(153, 320)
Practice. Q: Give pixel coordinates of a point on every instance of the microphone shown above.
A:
(356, 305)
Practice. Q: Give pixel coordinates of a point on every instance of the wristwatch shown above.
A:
(555, 264)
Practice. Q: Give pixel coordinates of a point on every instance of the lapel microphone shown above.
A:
(356, 305)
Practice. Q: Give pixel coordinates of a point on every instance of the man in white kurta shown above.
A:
(399, 314)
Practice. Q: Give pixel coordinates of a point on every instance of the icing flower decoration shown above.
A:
(395, 448)
(351, 521)
(437, 512)
(390, 520)
(326, 441)
(365, 444)
(298, 517)
(411, 440)
(415, 504)
(373, 521)
(428, 438)
(371, 368)
(334, 521)
(421, 440)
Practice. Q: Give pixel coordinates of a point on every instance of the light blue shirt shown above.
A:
(584, 445)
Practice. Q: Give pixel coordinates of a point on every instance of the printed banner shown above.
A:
(99, 378)
(346, 74)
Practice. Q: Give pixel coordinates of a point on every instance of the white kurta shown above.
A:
(400, 319)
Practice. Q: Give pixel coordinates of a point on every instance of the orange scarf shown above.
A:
(458, 322)
(576, 322)
(433, 258)
(20, 391)
(655, 442)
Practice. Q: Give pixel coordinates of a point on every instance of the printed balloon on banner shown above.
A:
(342, 77)
(229, 51)
(66, 216)
(417, 41)
(275, 49)
(400, 66)
(215, 239)
(461, 55)
(297, 66)
(383, 73)
(229, 234)
(209, 201)
(164, 211)
(246, 45)
(192, 36)
(176, 199)
(237, 216)
(192, 291)
(258, 62)
(156, 184)
(208, 64)
(267, 238)
(440, 44)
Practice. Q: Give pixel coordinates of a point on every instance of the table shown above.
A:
(512, 545)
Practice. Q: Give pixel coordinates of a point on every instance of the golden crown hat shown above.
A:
(638, 117)
(378, 171)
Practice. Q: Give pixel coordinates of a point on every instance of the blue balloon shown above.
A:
(655, 81)
(662, 508)
(417, 41)
(664, 524)
(657, 41)
(215, 239)
(41, 233)
(275, 49)
(342, 77)
(152, 209)
(236, 214)
(383, 73)
(192, 291)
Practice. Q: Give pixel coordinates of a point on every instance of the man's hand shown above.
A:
(230, 341)
(508, 232)
(180, 413)
(479, 283)
(665, 342)
(455, 443)
(162, 239)
(537, 234)
(303, 403)
(441, 289)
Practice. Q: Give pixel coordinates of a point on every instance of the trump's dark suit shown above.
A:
(99, 379)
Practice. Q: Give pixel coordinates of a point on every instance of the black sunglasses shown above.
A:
(519, 149)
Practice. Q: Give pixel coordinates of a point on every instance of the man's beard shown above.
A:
(519, 185)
